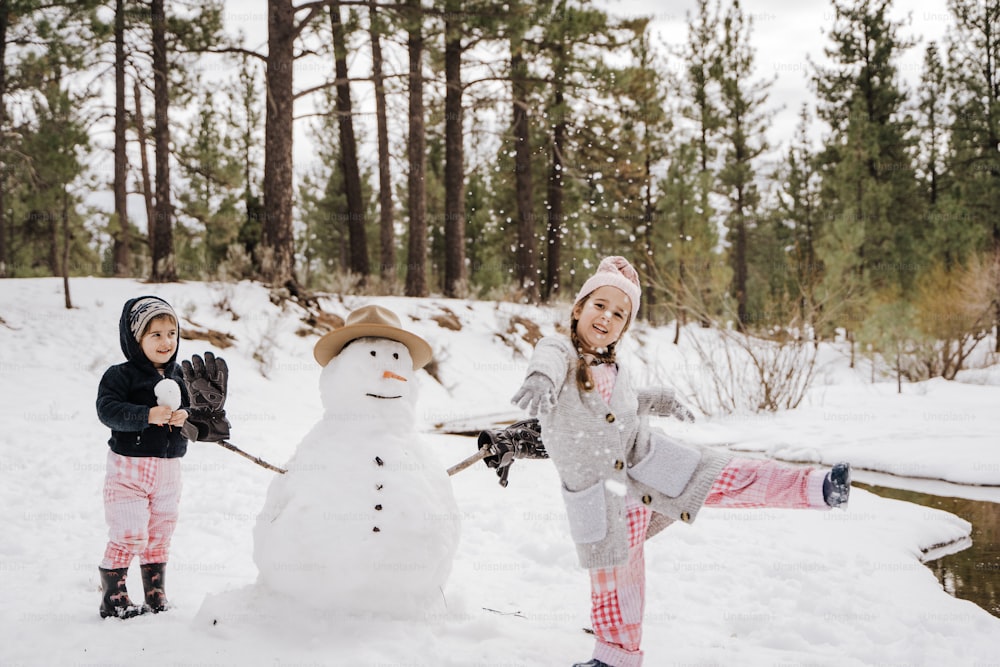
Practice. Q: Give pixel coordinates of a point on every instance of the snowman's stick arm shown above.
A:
(465, 463)
(256, 459)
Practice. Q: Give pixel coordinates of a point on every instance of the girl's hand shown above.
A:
(160, 415)
(536, 395)
(178, 417)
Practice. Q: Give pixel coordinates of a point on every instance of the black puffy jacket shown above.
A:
(125, 396)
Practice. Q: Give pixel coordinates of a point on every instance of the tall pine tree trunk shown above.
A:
(277, 240)
(349, 152)
(387, 246)
(416, 147)
(526, 269)
(66, 238)
(740, 271)
(4, 18)
(161, 231)
(120, 251)
(648, 213)
(147, 183)
(554, 214)
(454, 167)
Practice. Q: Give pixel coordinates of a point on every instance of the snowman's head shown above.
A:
(370, 383)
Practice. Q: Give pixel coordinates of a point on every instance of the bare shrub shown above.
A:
(737, 372)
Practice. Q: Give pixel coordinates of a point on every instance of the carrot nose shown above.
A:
(389, 375)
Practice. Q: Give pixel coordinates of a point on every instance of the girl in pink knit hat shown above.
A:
(623, 481)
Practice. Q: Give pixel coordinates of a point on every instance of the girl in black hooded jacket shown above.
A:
(143, 481)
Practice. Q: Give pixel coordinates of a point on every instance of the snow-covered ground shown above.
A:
(752, 588)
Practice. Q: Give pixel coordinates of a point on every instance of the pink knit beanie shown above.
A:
(616, 272)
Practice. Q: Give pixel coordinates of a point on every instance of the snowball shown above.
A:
(168, 393)
(615, 487)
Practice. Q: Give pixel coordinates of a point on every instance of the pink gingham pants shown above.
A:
(141, 496)
(617, 594)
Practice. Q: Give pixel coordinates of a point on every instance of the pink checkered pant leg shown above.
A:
(141, 496)
(754, 483)
(617, 597)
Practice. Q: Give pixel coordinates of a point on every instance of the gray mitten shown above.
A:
(678, 410)
(536, 395)
(662, 402)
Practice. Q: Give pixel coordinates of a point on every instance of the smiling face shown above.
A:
(160, 340)
(601, 318)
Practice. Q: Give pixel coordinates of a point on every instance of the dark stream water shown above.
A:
(974, 573)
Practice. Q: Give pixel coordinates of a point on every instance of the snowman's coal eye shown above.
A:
(395, 355)
(373, 353)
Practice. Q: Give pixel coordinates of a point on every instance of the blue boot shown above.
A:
(837, 485)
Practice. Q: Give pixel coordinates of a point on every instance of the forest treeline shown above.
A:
(472, 148)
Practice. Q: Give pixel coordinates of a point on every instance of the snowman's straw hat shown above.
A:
(376, 322)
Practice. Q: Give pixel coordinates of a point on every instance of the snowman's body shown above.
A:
(364, 520)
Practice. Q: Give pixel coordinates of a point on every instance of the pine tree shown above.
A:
(798, 223)
(56, 142)
(743, 126)
(356, 220)
(387, 250)
(416, 145)
(868, 179)
(245, 112)
(974, 54)
(526, 249)
(121, 255)
(693, 240)
(653, 126)
(210, 190)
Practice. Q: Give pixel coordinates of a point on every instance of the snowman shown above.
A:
(364, 521)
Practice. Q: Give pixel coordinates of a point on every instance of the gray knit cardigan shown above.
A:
(604, 450)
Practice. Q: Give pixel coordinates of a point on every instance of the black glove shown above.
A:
(520, 440)
(206, 384)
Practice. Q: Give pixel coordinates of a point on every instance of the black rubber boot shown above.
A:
(592, 663)
(837, 485)
(153, 583)
(116, 602)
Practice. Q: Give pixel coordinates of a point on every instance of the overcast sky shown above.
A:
(785, 33)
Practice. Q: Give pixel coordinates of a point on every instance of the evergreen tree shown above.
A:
(387, 249)
(416, 144)
(798, 225)
(694, 237)
(975, 80)
(869, 182)
(245, 113)
(355, 211)
(742, 128)
(526, 247)
(57, 145)
(210, 190)
(974, 53)
(646, 125)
